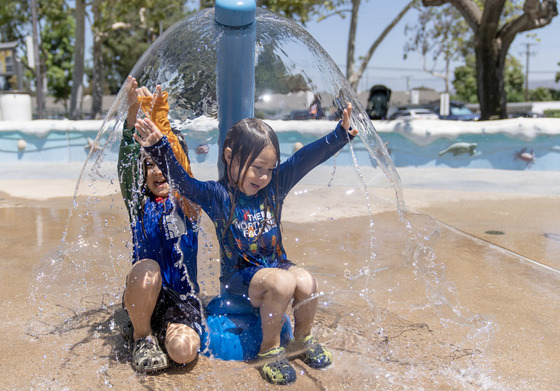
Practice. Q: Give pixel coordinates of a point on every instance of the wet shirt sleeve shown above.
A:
(157, 108)
(206, 194)
(310, 156)
(127, 169)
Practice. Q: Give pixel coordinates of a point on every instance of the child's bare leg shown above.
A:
(182, 343)
(140, 296)
(304, 307)
(271, 290)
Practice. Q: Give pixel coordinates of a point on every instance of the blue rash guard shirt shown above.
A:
(160, 230)
(165, 235)
(243, 245)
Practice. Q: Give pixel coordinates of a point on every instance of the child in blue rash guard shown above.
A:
(160, 289)
(245, 206)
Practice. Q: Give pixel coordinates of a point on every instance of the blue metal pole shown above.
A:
(236, 25)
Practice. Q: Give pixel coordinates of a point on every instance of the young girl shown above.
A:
(160, 288)
(245, 206)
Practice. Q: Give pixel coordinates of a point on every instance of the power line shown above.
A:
(399, 69)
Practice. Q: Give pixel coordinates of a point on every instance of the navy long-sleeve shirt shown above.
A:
(242, 244)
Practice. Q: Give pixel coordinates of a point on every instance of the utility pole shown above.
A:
(527, 55)
(38, 72)
(407, 77)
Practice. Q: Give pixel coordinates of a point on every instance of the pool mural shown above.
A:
(514, 144)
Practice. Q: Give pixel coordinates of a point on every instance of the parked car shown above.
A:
(527, 114)
(458, 112)
(418, 113)
(299, 115)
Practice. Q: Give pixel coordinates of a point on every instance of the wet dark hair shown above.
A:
(247, 138)
(143, 163)
(144, 189)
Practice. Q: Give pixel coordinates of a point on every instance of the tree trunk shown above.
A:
(355, 76)
(78, 72)
(492, 43)
(97, 82)
(38, 63)
(352, 41)
(490, 81)
(489, 63)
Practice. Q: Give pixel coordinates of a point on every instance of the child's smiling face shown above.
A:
(155, 180)
(256, 176)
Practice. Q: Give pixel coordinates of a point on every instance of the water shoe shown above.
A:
(277, 369)
(314, 354)
(147, 356)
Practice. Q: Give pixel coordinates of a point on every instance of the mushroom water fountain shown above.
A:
(380, 275)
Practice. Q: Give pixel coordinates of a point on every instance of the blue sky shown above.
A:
(387, 65)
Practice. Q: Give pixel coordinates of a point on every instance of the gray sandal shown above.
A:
(147, 356)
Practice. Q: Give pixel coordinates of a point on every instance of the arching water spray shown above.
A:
(375, 261)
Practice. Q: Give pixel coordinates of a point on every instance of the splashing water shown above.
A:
(386, 307)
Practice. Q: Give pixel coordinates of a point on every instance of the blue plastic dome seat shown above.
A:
(234, 329)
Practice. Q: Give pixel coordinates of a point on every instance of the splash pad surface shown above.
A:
(522, 300)
(395, 306)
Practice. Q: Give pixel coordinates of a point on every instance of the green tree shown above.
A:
(495, 24)
(14, 15)
(272, 73)
(466, 87)
(355, 74)
(440, 35)
(14, 21)
(541, 94)
(56, 32)
(302, 11)
(465, 81)
(122, 31)
(78, 61)
(514, 80)
(57, 48)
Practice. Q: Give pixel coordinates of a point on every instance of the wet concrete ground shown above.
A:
(381, 316)
(471, 303)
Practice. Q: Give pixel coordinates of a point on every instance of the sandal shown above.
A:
(147, 356)
(277, 371)
(315, 355)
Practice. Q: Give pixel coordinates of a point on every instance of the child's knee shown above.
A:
(182, 343)
(306, 284)
(280, 283)
(145, 272)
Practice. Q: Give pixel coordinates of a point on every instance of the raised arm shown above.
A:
(154, 142)
(129, 151)
(346, 117)
(311, 155)
(157, 109)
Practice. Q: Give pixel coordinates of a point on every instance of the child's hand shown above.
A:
(144, 92)
(148, 133)
(132, 100)
(346, 114)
